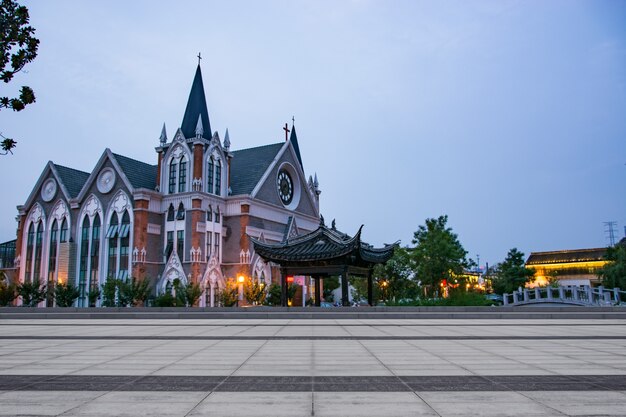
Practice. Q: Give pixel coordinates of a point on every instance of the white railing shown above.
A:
(575, 295)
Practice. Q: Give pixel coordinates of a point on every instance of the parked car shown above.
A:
(496, 298)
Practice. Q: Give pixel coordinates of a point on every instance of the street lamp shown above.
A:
(240, 279)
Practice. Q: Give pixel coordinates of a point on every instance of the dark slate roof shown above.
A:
(323, 244)
(140, 174)
(73, 179)
(566, 256)
(294, 141)
(248, 166)
(196, 105)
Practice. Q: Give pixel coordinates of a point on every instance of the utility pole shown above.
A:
(609, 230)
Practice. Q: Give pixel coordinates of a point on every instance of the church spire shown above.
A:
(163, 137)
(294, 141)
(196, 109)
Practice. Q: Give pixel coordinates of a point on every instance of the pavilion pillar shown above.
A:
(345, 301)
(370, 289)
(318, 292)
(283, 288)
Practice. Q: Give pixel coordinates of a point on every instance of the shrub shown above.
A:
(228, 296)
(94, 294)
(273, 295)
(65, 294)
(32, 293)
(8, 293)
(189, 294)
(109, 290)
(254, 292)
(165, 300)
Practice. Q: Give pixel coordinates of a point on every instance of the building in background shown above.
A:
(187, 217)
(569, 267)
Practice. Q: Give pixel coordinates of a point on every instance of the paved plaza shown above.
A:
(312, 367)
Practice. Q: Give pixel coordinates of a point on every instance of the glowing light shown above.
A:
(241, 278)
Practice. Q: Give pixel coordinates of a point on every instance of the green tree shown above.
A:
(8, 292)
(32, 293)
(65, 294)
(18, 47)
(438, 254)
(394, 279)
(329, 284)
(109, 291)
(229, 296)
(254, 292)
(273, 295)
(133, 292)
(511, 273)
(613, 273)
(187, 295)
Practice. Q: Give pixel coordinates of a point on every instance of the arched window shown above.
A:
(172, 184)
(38, 250)
(30, 243)
(112, 236)
(95, 254)
(52, 260)
(182, 175)
(209, 214)
(180, 244)
(170, 213)
(209, 172)
(63, 235)
(218, 178)
(170, 245)
(124, 246)
(217, 215)
(180, 213)
(84, 257)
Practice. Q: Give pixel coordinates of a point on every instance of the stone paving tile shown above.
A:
(246, 404)
(357, 404)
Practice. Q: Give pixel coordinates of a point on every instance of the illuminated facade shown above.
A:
(569, 267)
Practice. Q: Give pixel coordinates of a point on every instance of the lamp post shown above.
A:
(240, 280)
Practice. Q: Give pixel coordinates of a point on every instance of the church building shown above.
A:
(189, 216)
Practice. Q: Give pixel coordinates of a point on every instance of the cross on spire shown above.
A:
(293, 120)
(286, 129)
(199, 58)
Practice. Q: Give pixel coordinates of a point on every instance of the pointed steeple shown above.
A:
(196, 108)
(163, 137)
(199, 128)
(294, 141)
(226, 140)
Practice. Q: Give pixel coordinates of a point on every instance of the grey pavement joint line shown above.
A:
(236, 337)
(399, 379)
(231, 374)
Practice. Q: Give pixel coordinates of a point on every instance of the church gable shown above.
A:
(267, 190)
(249, 165)
(56, 182)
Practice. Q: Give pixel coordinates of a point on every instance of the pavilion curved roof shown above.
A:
(323, 244)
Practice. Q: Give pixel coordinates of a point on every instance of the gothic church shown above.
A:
(189, 217)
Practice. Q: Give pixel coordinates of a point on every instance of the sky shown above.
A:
(507, 116)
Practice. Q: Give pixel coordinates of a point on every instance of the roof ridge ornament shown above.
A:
(199, 128)
(226, 140)
(163, 137)
(179, 137)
